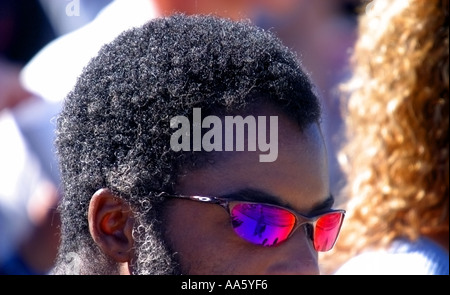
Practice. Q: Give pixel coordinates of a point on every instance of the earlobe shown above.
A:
(110, 224)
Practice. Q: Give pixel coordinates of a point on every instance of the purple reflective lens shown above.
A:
(262, 224)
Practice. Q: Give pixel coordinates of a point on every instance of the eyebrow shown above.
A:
(258, 196)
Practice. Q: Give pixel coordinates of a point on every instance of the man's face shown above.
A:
(201, 234)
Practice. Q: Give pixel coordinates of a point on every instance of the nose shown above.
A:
(296, 256)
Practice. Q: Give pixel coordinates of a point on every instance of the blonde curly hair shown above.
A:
(397, 155)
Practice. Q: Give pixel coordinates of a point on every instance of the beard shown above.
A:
(153, 255)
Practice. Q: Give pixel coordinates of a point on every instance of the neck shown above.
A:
(124, 269)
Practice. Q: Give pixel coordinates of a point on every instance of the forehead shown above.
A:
(298, 176)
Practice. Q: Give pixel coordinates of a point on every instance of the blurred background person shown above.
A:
(24, 29)
(323, 32)
(29, 177)
(398, 148)
(26, 194)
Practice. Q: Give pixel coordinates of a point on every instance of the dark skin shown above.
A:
(298, 180)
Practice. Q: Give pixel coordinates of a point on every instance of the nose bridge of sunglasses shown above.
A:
(323, 230)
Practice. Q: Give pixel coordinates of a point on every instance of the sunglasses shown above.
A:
(269, 225)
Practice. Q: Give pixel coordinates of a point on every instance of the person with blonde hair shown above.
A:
(397, 154)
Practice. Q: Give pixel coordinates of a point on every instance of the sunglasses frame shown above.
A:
(300, 219)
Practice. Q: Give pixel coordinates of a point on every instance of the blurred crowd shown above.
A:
(44, 46)
(29, 176)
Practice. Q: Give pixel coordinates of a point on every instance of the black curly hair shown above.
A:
(114, 127)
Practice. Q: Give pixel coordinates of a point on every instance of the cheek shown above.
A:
(197, 233)
(204, 242)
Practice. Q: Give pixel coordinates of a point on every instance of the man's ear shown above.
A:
(111, 224)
